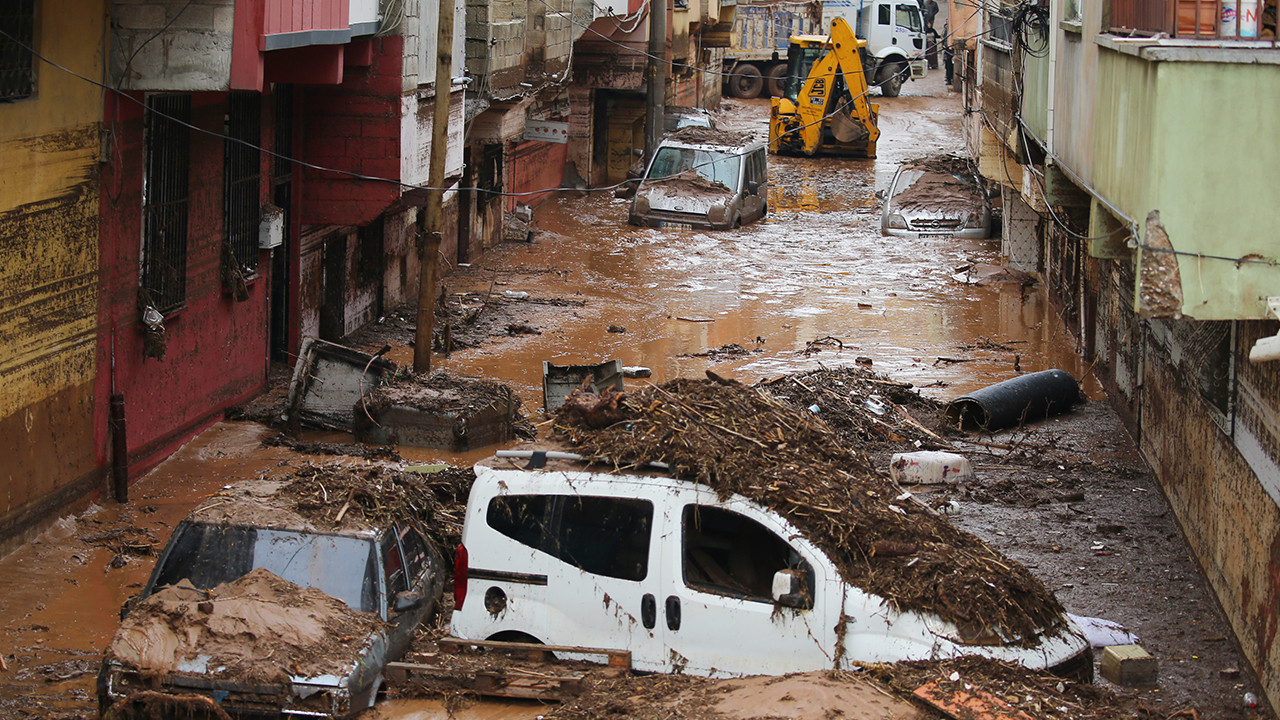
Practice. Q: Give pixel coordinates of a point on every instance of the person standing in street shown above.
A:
(947, 63)
(929, 8)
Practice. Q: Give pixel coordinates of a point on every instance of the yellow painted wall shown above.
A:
(49, 146)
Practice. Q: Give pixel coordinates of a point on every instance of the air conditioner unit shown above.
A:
(271, 227)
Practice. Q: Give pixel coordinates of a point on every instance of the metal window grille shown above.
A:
(17, 68)
(241, 175)
(164, 200)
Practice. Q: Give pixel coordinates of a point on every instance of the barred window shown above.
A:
(164, 201)
(17, 66)
(241, 175)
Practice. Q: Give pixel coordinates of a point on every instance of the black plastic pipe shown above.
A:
(1015, 401)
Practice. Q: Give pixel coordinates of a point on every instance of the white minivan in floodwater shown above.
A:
(687, 581)
(703, 178)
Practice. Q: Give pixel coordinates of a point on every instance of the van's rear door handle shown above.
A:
(673, 612)
(648, 611)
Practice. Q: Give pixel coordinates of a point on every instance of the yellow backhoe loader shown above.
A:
(824, 106)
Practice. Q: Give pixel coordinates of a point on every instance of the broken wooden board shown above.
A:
(968, 704)
(509, 681)
(618, 659)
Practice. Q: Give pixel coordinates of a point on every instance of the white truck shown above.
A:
(756, 60)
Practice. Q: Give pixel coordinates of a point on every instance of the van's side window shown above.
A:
(601, 535)
(523, 518)
(605, 536)
(728, 554)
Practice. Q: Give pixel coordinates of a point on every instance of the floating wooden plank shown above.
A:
(971, 704)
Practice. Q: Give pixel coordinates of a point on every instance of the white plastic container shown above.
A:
(929, 467)
(1241, 13)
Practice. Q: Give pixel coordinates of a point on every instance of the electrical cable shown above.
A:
(361, 176)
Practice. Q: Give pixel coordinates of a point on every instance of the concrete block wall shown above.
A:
(354, 127)
(559, 28)
(193, 54)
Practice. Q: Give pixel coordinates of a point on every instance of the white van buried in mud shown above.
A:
(688, 581)
(703, 178)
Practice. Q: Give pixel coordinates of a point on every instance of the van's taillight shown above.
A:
(460, 578)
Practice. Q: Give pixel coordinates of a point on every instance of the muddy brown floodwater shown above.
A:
(1072, 499)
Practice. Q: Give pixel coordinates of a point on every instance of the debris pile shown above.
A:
(258, 629)
(340, 495)
(343, 495)
(739, 440)
(862, 406)
(439, 410)
(1038, 694)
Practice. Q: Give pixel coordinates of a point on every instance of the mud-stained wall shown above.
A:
(1206, 420)
(1222, 503)
(49, 278)
(533, 166)
(215, 351)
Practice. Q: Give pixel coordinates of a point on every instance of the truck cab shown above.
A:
(895, 37)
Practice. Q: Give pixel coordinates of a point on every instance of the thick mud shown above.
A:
(812, 285)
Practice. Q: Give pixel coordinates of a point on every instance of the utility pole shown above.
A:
(430, 248)
(657, 75)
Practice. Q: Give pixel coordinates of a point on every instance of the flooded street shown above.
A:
(817, 268)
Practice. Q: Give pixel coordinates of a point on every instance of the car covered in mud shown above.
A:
(692, 580)
(703, 178)
(937, 196)
(265, 604)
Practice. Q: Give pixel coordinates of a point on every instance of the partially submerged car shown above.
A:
(692, 580)
(270, 611)
(703, 178)
(678, 117)
(937, 196)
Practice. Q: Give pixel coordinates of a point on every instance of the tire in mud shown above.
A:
(893, 74)
(746, 82)
(776, 80)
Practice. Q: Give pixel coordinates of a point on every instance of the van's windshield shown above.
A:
(338, 565)
(718, 167)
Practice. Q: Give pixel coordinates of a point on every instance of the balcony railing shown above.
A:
(1195, 19)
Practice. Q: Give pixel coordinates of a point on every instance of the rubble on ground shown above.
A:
(740, 440)
(862, 406)
(335, 496)
(258, 629)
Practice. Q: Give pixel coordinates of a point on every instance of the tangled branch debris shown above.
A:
(1038, 694)
(862, 406)
(739, 440)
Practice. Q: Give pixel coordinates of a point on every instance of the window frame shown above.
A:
(17, 59)
(694, 508)
(242, 178)
(166, 198)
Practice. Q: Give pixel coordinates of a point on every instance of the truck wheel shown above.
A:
(777, 80)
(894, 74)
(746, 82)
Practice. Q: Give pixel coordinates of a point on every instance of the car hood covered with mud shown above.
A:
(258, 643)
(282, 596)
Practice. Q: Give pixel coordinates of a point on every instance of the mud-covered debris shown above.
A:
(334, 496)
(258, 629)
(691, 183)
(710, 136)
(1036, 693)
(865, 409)
(443, 395)
(584, 407)
(738, 439)
(128, 541)
(360, 450)
(724, 352)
